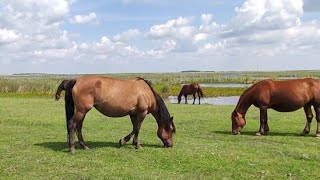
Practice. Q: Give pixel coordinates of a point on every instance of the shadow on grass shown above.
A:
(63, 146)
(253, 133)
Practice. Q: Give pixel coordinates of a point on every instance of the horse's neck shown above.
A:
(244, 104)
(158, 119)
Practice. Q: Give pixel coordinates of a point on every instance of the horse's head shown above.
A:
(238, 122)
(165, 133)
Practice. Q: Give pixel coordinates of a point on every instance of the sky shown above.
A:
(122, 36)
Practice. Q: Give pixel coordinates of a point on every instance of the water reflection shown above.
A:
(228, 100)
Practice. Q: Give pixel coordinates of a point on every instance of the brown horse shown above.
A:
(114, 98)
(282, 96)
(190, 89)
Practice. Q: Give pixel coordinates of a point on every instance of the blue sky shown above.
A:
(97, 36)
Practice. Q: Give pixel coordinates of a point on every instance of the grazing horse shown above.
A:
(114, 98)
(282, 96)
(190, 89)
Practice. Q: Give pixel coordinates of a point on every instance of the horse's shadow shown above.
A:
(62, 146)
(253, 133)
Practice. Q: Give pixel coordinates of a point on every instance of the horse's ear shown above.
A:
(171, 118)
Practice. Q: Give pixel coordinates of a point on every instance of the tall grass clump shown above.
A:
(45, 87)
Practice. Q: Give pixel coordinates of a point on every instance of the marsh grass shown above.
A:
(167, 84)
(33, 145)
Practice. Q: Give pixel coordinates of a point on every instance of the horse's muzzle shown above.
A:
(167, 145)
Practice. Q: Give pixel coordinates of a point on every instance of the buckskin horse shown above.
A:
(114, 98)
(190, 89)
(282, 96)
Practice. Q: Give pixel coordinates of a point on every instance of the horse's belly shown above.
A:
(286, 108)
(112, 111)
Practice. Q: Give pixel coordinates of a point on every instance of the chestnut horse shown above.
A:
(114, 98)
(282, 96)
(190, 89)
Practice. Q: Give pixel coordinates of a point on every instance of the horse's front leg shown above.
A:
(194, 98)
(309, 116)
(263, 122)
(127, 138)
(317, 110)
(137, 126)
(186, 99)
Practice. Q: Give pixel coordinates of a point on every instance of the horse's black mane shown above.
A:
(162, 109)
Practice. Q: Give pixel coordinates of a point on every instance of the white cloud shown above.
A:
(267, 15)
(127, 35)
(8, 36)
(177, 28)
(200, 37)
(166, 48)
(85, 19)
(31, 31)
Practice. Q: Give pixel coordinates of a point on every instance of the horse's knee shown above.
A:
(309, 117)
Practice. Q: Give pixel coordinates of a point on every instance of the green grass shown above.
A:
(33, 145)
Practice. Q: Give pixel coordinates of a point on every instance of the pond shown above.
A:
(225, 85)
(227, 100)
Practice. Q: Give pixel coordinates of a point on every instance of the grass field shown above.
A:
(33, 145)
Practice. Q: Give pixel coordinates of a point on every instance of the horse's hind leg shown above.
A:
(198, 96)
(79, 134)
(309, 116)
(72, 124)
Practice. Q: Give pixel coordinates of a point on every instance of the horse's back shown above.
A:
(113, 97)
(287, 95)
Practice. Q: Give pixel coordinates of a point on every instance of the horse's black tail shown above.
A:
(69, 103)
(200, 92)
(61, 87)
(67, 86)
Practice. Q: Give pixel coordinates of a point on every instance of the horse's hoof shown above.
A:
(122, 142)
(258, 134)
(136, 145)
(236, 133)
(318, 135)
(86, 148)
(303, 133)
(72, 150)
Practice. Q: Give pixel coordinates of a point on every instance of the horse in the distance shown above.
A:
(114, 98)
(189, 89)
(282, 96)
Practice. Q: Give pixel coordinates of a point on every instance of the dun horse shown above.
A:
(282, 96)
(114, 98)
(190, 89)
